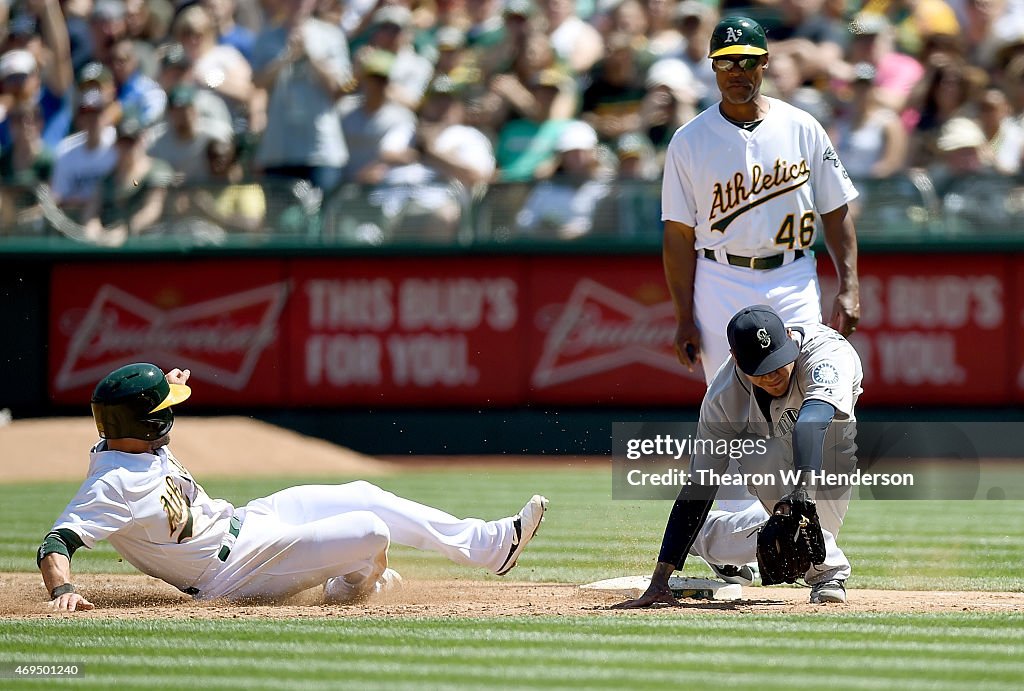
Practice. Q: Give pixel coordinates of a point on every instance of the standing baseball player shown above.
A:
(746, 184)
(795, 389)
(140, 498)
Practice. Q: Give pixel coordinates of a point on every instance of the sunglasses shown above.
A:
(745, 64)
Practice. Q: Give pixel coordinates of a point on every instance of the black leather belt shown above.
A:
(759, 263)
(234, 526)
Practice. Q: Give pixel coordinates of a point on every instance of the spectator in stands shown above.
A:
(230, 32)
(636, 158)
(527, 147)
(176, 70)
(390, 30)
(218, 67)
(563, 207)
(511, 93)
(663, 37)
(915, 20)
(453, 60)
(806, 35)
(944, 92)
(576, 43)
(230, 201)
(871, 140)
(130, 199)
(139, 96)
(29, 80)
(378, 129)
(184, 141)
(107, 26)
(896, 74)
(95, 75)
(24, 165)
(962, 152)
(303, 63)
(611, 104)
(447, 14)
(786, 81)
(76, 16)
(696, 21)
(1004, 136)
(85, 157)
(670, 101)
(634, 207)
(148, 20)
(628, 18)
(487, 24)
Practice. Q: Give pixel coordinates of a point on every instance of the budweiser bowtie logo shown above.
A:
(222, 337)
(599, 329)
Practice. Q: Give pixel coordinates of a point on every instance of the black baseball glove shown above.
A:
(791, 541)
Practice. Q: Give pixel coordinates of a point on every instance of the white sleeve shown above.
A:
(398, 138)
(678, 202)
(97, 512)
(829, 180)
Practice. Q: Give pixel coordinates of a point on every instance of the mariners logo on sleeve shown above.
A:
(825, 374)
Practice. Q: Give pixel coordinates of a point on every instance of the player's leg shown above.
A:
(730, 537)
(466, 541)
(275, 559)
(793, 292)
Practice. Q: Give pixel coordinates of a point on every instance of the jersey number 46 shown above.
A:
(787, 235)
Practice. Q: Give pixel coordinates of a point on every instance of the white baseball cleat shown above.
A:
(526, 523)
(743, 575)
(832, 590)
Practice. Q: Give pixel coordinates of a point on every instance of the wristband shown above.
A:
(61, 590)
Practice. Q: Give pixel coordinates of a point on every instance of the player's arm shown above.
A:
(684, 522)
(679, 256)
(54, 561)
(841, 240)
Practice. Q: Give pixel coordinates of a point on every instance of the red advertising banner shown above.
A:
(428, 331)
(934, 328)
(601, 332)
(217, 318)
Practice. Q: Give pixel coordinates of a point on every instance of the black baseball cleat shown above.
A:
(743, 575)
(525, 524)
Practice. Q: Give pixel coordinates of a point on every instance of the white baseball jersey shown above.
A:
(753, 193)
(152, 512)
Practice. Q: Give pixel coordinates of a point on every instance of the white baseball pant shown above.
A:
(305, 536)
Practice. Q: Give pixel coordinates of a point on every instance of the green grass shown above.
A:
(587, 536)
(949, 545)
(623, 652)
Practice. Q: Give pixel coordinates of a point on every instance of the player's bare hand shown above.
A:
(845, 313)
(178, 376)
(656, 594)
(69, 602)
(688, 344)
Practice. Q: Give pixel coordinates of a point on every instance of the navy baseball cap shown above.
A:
(759, 342)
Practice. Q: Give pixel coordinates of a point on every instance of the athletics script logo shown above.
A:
(224, 336)
(599, 329)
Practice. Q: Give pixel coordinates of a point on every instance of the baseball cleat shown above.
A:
(832, 590)
(742, 575)
(526, 523)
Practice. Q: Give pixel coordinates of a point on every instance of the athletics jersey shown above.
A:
(152, 512)
(827, 369)
(753, 193)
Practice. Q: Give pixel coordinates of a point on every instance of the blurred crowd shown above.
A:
(118, 107)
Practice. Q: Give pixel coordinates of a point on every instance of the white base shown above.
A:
(693, 588)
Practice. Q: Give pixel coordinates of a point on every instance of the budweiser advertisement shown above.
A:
(601, 332)
(925, 320)
(220, 319)
(432, 332)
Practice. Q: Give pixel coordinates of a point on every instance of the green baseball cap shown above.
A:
(738, 36)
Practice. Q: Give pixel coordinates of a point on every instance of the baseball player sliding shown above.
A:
(140, 498)
(795, 388)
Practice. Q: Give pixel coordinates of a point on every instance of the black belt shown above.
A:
(234, 526)
(759, 263)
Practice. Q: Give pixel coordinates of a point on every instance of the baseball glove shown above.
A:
(790, 541)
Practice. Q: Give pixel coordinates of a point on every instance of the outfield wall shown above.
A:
(473, 331)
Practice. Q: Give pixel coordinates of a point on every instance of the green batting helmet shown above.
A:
(135, 402)
(738, 36)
